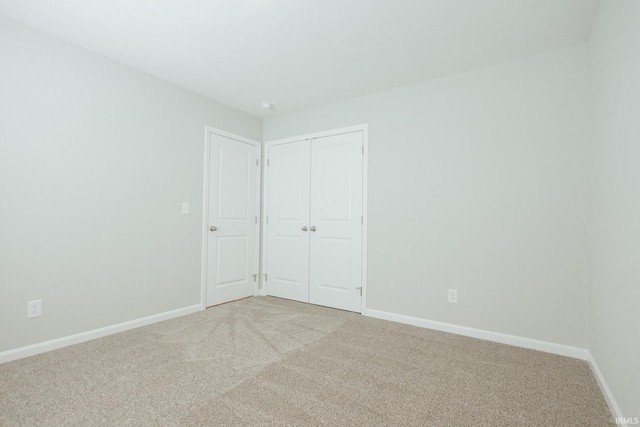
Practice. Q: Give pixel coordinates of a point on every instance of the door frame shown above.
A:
(205, 207)
(365, 175)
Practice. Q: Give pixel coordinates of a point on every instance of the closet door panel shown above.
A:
(288, 213)
(335, 270)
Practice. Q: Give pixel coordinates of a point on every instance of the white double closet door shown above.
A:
(314, 220)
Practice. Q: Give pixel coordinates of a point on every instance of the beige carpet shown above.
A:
(267, 361)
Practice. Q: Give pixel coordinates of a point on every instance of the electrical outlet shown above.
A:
(34, 308)
(453, 296)
(185, 208)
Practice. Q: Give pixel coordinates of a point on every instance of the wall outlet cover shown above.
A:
(34, 308)
(452, 296)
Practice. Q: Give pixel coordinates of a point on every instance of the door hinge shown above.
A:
(363, 150)
(267, 162)
(360, 289)
(255, 277)
(266, 278)
(362, 220)
(267, 219)
(257, 162)
(256, 220)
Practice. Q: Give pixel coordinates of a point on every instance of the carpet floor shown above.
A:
(268, 361)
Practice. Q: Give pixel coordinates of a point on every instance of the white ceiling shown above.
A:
(305, 53)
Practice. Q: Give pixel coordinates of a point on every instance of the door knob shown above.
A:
(313, 228)
(213, 228)
(304, 228)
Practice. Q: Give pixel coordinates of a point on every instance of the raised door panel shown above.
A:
(288, 213)
(233, 211)
(336, 214)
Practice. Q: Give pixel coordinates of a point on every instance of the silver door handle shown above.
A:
(304, 228)
(213, 228)
(313, 228)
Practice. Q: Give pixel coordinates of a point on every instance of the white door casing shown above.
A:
(288, 220)
(232, 229)
(335, 273)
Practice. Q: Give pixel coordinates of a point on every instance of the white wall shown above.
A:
(477, 182)
(95, 161)
(614, 87)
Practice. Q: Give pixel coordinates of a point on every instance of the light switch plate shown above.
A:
(185, 208)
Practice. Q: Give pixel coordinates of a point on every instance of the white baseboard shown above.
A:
(43, 347)
(606, 391)
(548, 347)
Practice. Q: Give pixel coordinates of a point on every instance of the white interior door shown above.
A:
(232, 241)
(288, 221)
(336, 221)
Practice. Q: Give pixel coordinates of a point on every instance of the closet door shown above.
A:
(336, 221)
(288, 221)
